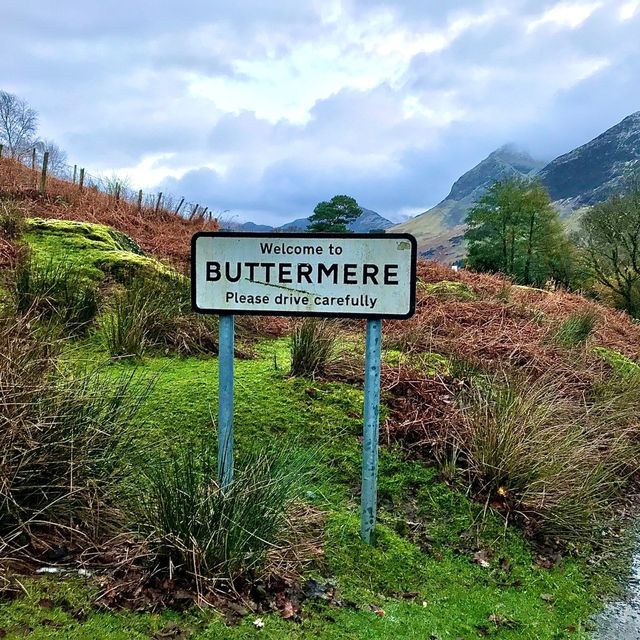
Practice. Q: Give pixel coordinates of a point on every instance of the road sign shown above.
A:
(349, 275)
(304, 274)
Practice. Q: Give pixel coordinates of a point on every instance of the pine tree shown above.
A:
(335, 215)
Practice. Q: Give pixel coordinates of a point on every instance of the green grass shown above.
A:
(426, 541)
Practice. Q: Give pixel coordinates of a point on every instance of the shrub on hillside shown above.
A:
(154, 310)
(61, 438)
(206, 532)
(55, 290)
(313, 346)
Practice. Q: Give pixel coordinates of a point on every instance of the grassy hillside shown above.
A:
(164, 233)
(509, 448)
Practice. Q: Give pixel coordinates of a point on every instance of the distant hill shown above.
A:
(250, 226)
(587, 175)
(367, 221)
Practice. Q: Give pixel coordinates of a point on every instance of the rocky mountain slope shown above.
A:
(587, 175)
(594, 171)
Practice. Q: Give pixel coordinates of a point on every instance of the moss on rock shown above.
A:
(621, 365)
(448, 289)
(426, 362)
(97, 249)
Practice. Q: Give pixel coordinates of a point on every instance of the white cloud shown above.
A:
(569, 15)
(628, 10)
(264, 108)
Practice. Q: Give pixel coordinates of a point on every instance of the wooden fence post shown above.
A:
(140, 200)
(43, 177)
(158, 202)
(193, 212)
(33, 159)
(178, 207)
(1, 148)
(81, 178)
(204, 213)
(75, 172)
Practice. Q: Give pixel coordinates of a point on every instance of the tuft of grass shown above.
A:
(505, 291)
(154, 310)
(57, 291)
(532, 453)
(577, 328)
(12, 224)
(61, 437)
(208, 532)
(125, 327)
(313, 345)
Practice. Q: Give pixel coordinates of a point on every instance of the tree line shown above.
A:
(515, 230)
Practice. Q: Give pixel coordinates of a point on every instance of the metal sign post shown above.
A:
(369, 493)
(339, 275)
(225, 401)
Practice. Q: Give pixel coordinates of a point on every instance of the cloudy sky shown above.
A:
(264, 108)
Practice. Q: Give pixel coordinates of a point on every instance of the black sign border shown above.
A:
(320, 314)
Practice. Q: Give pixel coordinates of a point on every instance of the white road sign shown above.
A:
(304, 274)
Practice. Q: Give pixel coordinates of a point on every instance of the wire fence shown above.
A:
(50, 164)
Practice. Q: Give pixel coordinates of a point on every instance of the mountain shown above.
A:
(594, 171)
(252, 227)
(367, 221)
(587, 175)
(440, 230)
(299, 224)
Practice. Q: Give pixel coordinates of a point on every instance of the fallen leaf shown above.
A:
(482, 558)
(288, 611)
(501, 621)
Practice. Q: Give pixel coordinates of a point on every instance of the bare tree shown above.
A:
(57, 156)
(18, 124)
